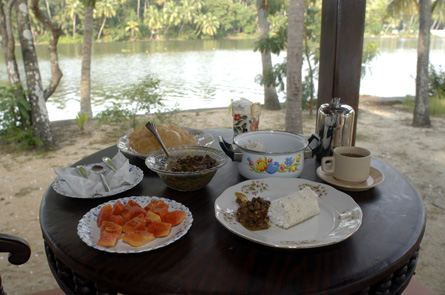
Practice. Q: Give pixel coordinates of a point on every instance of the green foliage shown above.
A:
(274, 43)
(436, 105)
(136, 98)
(15, 122)
(14, 108)
(436, 82)
(370, 52)
(81, 120)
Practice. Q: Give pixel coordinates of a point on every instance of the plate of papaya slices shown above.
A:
(134, 224)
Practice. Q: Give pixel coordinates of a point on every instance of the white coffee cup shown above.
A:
(349, 163)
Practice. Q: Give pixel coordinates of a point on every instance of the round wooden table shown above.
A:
(379, 258)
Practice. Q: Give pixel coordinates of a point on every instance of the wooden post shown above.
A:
(341, 46)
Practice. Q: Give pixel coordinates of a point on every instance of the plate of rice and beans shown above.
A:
(290, 213)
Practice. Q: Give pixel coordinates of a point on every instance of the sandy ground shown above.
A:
(417, 153)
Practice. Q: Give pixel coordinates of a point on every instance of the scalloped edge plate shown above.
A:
(339, 218)
(62, 188)
(89, 232)
(202, 139)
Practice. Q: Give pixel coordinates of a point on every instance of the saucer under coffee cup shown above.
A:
(348, 163)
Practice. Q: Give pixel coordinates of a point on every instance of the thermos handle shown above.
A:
(311, 151)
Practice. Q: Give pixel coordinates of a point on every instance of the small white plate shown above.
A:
(61, 186)
(90, 233)
(202, 139)
(375, 178)
(339, 218)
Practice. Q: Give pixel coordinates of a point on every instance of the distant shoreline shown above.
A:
(363, 98)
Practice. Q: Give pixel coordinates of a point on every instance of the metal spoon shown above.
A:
(81, 170)
(98, 169)
(152, 127)
(109, 163)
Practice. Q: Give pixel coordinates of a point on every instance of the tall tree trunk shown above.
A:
(311, 71)
(56, 73)
(85, 79)
(271, 101)
(8, 44)
(48, 11)
(138, 9)
(101, 28)
(421, 116)
(294, 114)
(39, 113)
(74, 27)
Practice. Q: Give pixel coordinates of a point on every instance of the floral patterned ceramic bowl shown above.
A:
(270, 153)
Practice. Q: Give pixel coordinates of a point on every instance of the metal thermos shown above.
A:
(335, 125)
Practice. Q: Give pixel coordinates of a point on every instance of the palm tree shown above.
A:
(85, 77)
(421, 117)
(171, 16)
(188, 11)
(438, 8)
(104, 8)
(421, 109)
(132, 26)
(294, 116)
(206, 24)
(153, 20)
(271, 101)
(73, 9)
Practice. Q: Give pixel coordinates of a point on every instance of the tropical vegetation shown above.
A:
(190, 19)
(267, 20)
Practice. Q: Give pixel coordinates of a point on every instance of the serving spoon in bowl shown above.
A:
(152, 128)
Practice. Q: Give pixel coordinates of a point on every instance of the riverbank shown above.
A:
(418, 153)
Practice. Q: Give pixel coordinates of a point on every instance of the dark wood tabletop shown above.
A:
(379, 258)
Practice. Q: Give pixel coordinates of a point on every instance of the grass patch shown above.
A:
(364, 137)
(435, 105)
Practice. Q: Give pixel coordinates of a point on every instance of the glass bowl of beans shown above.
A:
(188, 168)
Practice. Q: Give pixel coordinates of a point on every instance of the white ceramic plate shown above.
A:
(340, 216)
(202, 138)
(90, 233)
(62, 187)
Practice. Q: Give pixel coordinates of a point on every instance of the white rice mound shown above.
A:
(293, 209)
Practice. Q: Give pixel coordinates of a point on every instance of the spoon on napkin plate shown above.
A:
(98, 169)
(109, 163)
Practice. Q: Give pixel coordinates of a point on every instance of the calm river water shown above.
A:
(206, 74)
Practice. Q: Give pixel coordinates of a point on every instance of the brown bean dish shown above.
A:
(193, 163)
(253, 214)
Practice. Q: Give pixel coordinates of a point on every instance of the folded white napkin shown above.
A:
(93, 185)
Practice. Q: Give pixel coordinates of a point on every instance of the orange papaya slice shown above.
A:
(151, 217)
(156, 204)
(137, 223)
(132, 203)
(159, 229)
(104, 214)
(111, 227)
(138, 238)
(131, 212)
(161, 212)
(118, 207)
(107, 239)
(118, 219)
(174, 217)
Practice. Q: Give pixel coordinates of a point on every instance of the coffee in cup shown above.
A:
(349, 163)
